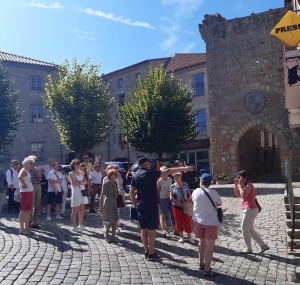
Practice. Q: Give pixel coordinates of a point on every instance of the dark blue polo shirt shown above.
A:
(145, 181)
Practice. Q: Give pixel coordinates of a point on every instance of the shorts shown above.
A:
(54, 199)
(148, 216)
(205, 231)
(26, 199)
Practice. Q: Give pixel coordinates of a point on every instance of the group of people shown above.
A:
(152, 190)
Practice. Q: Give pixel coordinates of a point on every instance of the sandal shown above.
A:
(201, 266)
(209, 273)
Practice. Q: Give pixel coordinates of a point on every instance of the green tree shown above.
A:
(9, 115)
(79, 102)
(158, 114)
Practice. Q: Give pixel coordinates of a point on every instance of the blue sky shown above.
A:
(117, 33)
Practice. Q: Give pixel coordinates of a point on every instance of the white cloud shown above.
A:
(189, 32)
(171, 28)
(55, 5)
(184, 8)
(84, 35)
(189, 48)
(119, 19)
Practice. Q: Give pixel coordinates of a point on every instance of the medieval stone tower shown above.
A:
(248, 119)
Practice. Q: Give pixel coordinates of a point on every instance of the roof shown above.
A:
(163, 59)
(184, 60)
(21, 59)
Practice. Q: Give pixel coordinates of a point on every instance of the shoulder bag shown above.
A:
(219, 210)
(61, 189)
(83, 192)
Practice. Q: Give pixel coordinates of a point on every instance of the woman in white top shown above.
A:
(78, 198)
(163, 187)
(26, 195)
(206, 222)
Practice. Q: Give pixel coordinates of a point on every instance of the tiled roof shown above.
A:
(184, 60)
(21, 59)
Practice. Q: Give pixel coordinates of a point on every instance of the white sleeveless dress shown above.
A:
(77, 199)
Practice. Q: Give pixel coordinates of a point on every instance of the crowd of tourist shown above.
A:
(33, 191)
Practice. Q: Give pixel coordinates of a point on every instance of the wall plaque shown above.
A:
(254, 101)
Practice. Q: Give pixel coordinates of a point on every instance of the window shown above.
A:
(137, 75)
(200, 121)
(198, 85)
(199, 159)
(37, 149)
(121, 83)
(121, 99)
(5, 153)
(37, 114)
(36, 83)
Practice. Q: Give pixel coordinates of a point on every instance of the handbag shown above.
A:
(17, 195)
(120, 201)
(258, 206)
(219, 210)
(133, 215)
(189, 209)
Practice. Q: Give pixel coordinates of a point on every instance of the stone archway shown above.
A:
(267, 159)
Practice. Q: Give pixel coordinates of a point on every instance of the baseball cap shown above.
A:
(14, 160)
(206, 178)
(142, 160)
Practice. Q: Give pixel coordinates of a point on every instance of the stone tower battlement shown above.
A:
(215, 27)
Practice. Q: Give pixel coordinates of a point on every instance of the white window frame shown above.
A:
(37, 119)
(36, 83)
(34, 148)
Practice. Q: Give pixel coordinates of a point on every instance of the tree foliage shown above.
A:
(158, 114)
(79, 102)
(9, 107)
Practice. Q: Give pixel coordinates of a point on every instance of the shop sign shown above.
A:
(288, 29)
(204, 143)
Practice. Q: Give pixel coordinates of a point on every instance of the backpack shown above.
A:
(4, 177)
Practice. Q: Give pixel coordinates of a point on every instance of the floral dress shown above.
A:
(110, 208)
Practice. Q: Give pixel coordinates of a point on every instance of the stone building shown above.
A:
(34, 135)
(190, 69)
(248, 120)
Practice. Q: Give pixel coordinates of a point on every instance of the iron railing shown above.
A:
(290, 193)
(200, 129)
(198, 89)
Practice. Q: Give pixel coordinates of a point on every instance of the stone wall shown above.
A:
(245, 65)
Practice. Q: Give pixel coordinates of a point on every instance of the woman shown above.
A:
(245, 189)
(163, 187)
(108, 206)
(88, 185)
(64, 185)
(180, 196)
(78, 199)
(206, 222)
(26, 196)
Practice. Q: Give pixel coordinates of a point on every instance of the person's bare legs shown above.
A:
(49, 210)
(113, 229)
(57, 208)
(27, 219)
(81, 214)
(73, 215)
(109, 225)
(22, 220)
(201, 249)
(144, 235)
(189, 235)
(151, 240)
(208, 253)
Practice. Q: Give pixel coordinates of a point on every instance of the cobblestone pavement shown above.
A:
(55, 255)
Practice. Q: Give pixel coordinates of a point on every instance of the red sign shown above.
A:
(225, 144)
(219, 151)
(213, 141)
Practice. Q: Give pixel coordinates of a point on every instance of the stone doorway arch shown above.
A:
(246, 144)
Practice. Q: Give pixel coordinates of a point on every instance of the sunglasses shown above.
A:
(77, 163)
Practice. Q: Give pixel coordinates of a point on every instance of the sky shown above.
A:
(117, 33)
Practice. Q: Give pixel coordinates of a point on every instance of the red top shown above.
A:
(249, 201)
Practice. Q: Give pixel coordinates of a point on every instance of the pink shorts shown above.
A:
(26, 201)
(204, 231)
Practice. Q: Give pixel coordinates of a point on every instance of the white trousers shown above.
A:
(63, 204)
(248, 228)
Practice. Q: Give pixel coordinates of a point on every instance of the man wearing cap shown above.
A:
(206, 222)
(144, 182)
(12, 184)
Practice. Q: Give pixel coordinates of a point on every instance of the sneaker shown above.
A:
(191, 241)
(246, 251)
(76, 230)
(48, 218)
(263, 249)
(93, 211)
(181, 240)
(58, 217)
(36, 226)
(146, 255)
(167, 234)
(82, 228)
(152, 257)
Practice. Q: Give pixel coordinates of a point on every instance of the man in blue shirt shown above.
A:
(144, 184)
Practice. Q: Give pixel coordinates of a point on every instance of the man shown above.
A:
(88, 166)
(144, 182)
(36, 178)
(48, 167)
(185, 176)
(101, 163)
(96, 180)
(12, 184)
